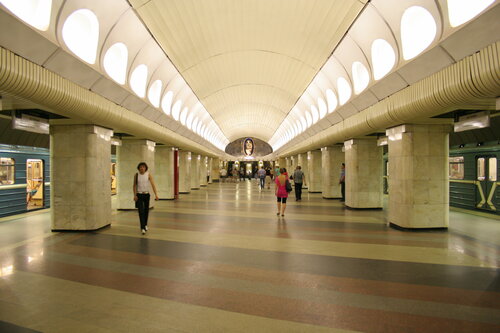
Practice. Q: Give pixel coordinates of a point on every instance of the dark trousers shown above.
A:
(298, 191)
(142, 205)
(262, 182)
(342, 190)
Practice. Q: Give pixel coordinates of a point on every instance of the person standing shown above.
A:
(280, 191)
(142, 181)
(223, 175)
(342, 182)
(262, 177)
(298, 179)
(268, 178)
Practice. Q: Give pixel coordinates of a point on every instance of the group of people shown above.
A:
(143, 181)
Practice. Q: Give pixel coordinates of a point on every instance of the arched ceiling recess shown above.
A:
(393, 44)
(235, 53)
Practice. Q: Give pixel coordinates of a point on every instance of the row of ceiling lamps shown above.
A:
(418, 30)
(80, 33)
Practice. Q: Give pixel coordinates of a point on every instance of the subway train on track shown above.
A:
(25, 178)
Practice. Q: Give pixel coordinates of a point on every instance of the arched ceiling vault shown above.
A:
(248, 62)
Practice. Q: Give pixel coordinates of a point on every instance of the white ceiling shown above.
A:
(248, 62)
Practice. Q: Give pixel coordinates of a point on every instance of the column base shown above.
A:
(397, 227)
(76, 230)
(363, 208)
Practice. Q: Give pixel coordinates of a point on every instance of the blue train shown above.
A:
(24, 179)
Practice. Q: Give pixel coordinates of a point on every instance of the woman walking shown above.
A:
(142, 181)
(280, 190)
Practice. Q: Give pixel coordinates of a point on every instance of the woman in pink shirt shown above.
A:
(280, 190)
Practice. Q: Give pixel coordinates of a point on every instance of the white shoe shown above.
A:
(143, 231)
(146, 228)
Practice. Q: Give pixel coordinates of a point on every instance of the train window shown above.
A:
(492, 169)
(480, 169)
(456, 169)
(7, 170)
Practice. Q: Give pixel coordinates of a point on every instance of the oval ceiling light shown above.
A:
(360, 77)
(35, 13)
(154, 93)
(80, 33)
(183, 115)
(331, 100)
(166, 102)
(138, 80)
(315, 113)
(195, 124)
(322, 108)
(462, 11)
(309, 119)
(344, 90)
(176, 110)
(418, 30)
(383, 58)
(115, 62)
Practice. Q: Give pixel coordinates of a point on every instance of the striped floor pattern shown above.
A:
(220, 260)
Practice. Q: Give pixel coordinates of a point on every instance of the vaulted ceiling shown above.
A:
(248, 62)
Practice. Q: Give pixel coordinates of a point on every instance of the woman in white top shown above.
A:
(142, 180)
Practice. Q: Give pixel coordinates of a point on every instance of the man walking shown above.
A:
(298, 178)
(262, 177)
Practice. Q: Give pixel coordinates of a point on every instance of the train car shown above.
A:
(474, 181)
(24, 179)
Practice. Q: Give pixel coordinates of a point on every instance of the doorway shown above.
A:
(486, 175)
(34, 184)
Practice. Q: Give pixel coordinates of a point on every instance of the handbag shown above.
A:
(288, 186)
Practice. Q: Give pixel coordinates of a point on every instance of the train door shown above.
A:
(486, 175)
(34, 184)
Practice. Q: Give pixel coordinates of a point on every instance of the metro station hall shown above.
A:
(249, 166)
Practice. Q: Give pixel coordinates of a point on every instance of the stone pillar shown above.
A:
(195, 171)
(331, 159)
(314, 168)
(184, 171)
(203, 171)
(363, 173)
(215, 173)
(80, 194)
(164, 172)
(282, 162)
(128, 156)
(302, 161)
(418, 176)
(210, 169)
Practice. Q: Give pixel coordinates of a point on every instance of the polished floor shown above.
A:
(220, 260)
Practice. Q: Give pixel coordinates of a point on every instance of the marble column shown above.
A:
(302, 161)
(210, 169)
(282, 162)
(164, 172)
(80, 195)
(314, 168)
(195, 171)
(332, 159)
(184, 171)
(203, 171)
(215, 173)
(128, 156)
(418, 176)
(363, 173)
